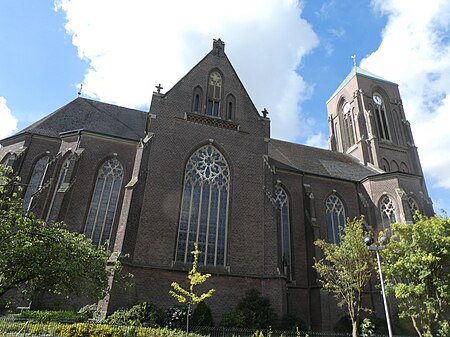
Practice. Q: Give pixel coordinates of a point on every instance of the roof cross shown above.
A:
(354, 59)
(265, 112)
(159, 88)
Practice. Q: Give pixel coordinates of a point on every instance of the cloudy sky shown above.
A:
(290, 55)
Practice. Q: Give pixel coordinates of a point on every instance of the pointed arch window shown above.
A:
(62, 185)
(349, 128)
(231, 106)
(335, 214)
(197, 99)
(8, 160)
(282, 202)
(36, 180)
(104, 202)
(381, 117)
(412, 208)
(214, 94)
(204, 208)
(387, 209)
(404, 167)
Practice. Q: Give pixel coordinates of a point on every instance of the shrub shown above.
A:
(202, 315)
(91, 311)
(252, 311)
(143, 314)
(85, 330)
(52, 316)
(292, 322)
(176, 316)
(234, 319)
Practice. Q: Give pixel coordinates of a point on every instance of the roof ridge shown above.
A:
(356, 70)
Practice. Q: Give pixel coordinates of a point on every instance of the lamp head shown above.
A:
(368, 240)
(384, 240)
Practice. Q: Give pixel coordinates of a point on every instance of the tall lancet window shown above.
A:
(348, 125)
(381, 117)
(104, 201)
(335, 218)
(282, 201)
(412, 208)
(214, 94)
(62, 185)
(387, 209)
(204, 208)
(36, 180)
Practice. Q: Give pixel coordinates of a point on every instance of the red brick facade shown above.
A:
(154, 149)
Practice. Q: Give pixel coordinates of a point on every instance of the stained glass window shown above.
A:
(282, 202)
(61, 186)
(35, 182)
(204, 208)
(387, 209)
(214, 94)
(104, 202)
(335, 214)
(412, 208)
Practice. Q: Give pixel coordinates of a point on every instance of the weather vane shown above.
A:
(81, 88)
(354, 59)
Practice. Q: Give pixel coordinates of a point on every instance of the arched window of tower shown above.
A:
(381, 117)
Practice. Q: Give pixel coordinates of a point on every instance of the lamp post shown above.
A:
(383, 240)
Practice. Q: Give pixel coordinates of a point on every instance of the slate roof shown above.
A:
(361, 72)
(318, 161)
(92, 116)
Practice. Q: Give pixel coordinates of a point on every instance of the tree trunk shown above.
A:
(187, 319)
(355, 328)
(416, 327)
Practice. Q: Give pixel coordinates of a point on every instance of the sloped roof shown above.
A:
(360, 72)
(93, 116)
(318, 161)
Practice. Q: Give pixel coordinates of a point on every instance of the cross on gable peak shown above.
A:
(159, 88)
(218, 47)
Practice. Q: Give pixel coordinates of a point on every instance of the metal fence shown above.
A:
(9, 328)
(242, 332)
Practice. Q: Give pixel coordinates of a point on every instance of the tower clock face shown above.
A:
(377, 99)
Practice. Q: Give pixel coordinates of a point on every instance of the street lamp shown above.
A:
(382, 241)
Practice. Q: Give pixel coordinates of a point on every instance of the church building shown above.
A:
(200, 166)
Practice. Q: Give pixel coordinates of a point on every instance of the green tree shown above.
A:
(35, 255)
(195, 278)
(416, 264)
(345, 269)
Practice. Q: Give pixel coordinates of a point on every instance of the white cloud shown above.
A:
(319, 140)
(415, 53)
(133, 45)
(9, 122)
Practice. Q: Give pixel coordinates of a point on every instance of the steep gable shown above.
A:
(194, 92)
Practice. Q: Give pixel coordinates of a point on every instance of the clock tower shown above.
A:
(366, 120)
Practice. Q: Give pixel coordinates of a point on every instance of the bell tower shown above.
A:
(366, 119)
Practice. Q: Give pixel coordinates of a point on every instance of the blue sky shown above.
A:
(290, 55)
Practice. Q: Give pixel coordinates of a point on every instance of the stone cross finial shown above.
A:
(159, 88)
(218, 47)
(265, 113)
